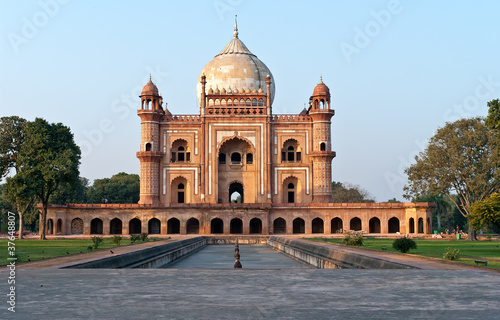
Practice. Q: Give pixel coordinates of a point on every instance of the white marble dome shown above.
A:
(234, 69)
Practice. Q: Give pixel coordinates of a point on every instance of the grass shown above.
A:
(38, 249)
(469, 250)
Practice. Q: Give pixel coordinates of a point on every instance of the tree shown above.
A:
(486, 213)
(12, 135)
(19, 192)
(460, 158)
(120, 188)
(441, 206)
(349, 193)
(49, 157)
(393, 200)
(493, 119)
(71, 193)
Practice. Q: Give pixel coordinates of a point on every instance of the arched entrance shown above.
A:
(393, 225)
(412, 225)
(420, 225)
(236, 226)
(173, 226)
(299, 226)
(77, 226)
(59, 226)
(135, 226)
(374, 225)
(154, 226)
(279, 226)
(336, 225)
(317, 226)
(236, 193)
(355, 224)
(255, 226)
(179, 190)
(193, 226)
(50, 226)
(115, 226)
(96, 226)
(236, 171)
(216, 226)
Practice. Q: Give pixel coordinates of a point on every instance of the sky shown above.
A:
(397, 70)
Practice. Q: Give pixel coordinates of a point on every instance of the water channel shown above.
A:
(252, 256)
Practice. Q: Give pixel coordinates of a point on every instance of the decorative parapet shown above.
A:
(291, 118)
(183, 118)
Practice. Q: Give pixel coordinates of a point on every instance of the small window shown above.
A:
(173, 158)
(291, 186)
(283, 156)
(188, 156)
(148, 146)
(180, 156)
(299, 156)
(249, 158)
(322, 146)
(180, 186)
(222, 158)
(235, 158)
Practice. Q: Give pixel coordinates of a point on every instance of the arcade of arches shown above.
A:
(291, 219)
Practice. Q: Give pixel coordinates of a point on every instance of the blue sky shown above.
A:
(397, 70)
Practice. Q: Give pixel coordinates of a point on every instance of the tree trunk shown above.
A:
(471, 234)
(439, 220)
(43, 215)
(20, 226)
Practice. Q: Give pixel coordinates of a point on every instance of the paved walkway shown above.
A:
(254, 294)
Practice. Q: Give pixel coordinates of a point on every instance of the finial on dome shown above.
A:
(150, 78)
(235, 26)
(321, 79)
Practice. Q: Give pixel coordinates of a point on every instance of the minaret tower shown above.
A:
(151, 113)
(321, 114)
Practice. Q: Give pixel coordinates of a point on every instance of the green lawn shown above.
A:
(480, 250)
(39, 249)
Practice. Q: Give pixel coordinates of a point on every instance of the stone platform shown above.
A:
(254, 294)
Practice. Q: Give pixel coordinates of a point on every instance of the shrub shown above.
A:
(143, 236)
(135, 237)
(353, 239)
(97, 241)
(451, 254)
(116, 240)
(404, 244)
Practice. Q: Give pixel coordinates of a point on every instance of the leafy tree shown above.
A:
(49, 157)
(349, 193)
(493, 119)
(486, 213)
(460, 159)
(393, 200)
(12, 135)
(441, 206)
(19, 192)
(71, 193)
(120, 188)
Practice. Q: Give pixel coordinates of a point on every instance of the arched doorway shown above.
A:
(115, 226)
(236, 171)
(77, 226)
(279, 226)
(154, 226)
(59, 226)
(420, 225)
(355, 224)
(96, 226)
(374, 225)
(193, 226)
(255, 226)
(135, 226)
(236, 226)
(179, 190)
(216, 226)
(317, 226)
(50, 226)
(173, 226)
(236, 193)
(412, 225)
(336, 225)
(393, 225)
(299, 226)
